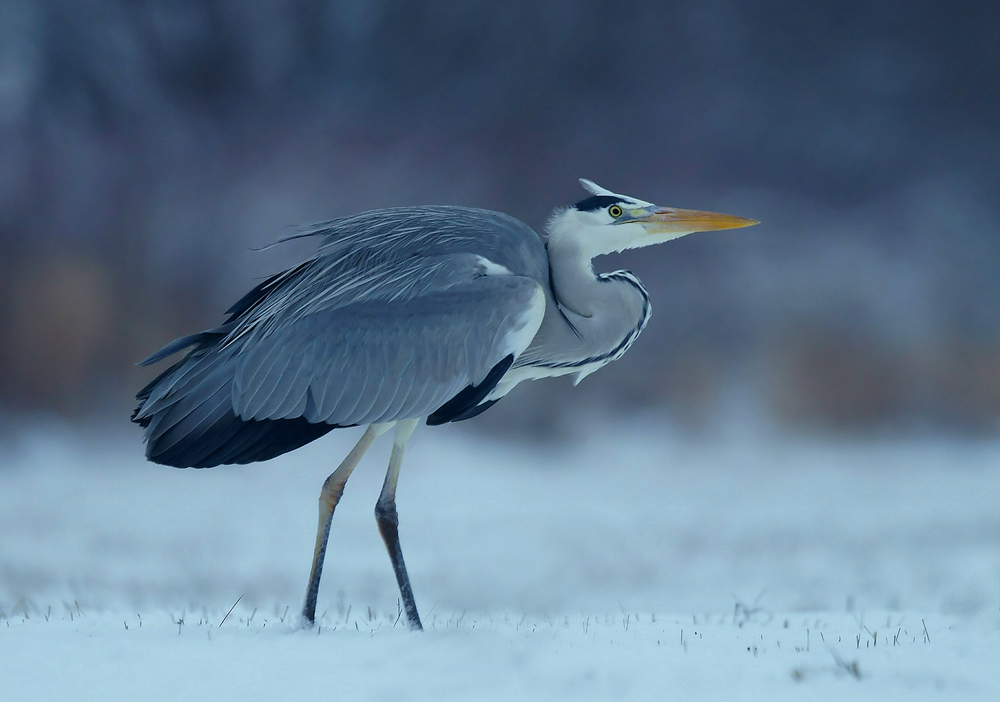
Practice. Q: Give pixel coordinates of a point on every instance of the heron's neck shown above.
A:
(602, 309)
(574, 282)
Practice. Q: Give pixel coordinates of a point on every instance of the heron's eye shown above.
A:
(615, 211)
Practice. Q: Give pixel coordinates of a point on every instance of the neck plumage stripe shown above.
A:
(619, 350)
(647, 308)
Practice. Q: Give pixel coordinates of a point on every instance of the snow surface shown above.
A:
(629, 566)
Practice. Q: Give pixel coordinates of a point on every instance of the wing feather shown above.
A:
(383, 361)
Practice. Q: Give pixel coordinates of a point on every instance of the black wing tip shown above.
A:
(143, 422)
(232, 440)
(468, 414)
(470, 399)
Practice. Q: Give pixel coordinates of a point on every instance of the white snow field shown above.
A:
(632, 565)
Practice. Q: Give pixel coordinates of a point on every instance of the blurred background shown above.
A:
(147, 147)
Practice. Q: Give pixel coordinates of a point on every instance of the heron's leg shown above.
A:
(388, 521)
(333, 488)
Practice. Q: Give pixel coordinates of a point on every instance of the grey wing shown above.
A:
(380, 360)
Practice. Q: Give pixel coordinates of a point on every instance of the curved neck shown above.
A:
(574, 282)
(597, 315)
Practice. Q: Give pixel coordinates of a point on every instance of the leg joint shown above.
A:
(386, 512)
(331, 497)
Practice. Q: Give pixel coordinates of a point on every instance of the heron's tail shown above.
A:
(189, 421)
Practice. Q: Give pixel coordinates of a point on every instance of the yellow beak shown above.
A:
(672, 220)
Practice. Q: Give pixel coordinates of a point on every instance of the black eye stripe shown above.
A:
(597, 202)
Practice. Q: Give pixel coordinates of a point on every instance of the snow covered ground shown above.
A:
(631, 566)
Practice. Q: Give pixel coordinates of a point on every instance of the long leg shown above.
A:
(388, 521)
(333, 488)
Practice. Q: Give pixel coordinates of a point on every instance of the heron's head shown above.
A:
(608, 222)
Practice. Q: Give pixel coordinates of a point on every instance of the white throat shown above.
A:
(584, 235)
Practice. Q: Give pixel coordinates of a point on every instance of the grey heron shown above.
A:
(404, 314)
